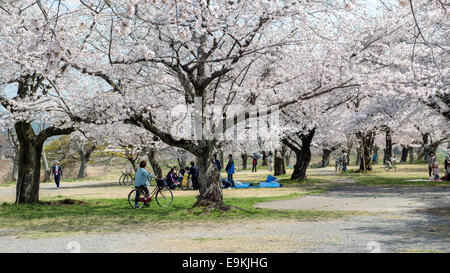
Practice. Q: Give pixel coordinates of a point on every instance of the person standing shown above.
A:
(344, 160)
(57, 173)
(230, 170)
(217, 162)
(194, 175)
(254, 164)
(431, 159)
(270, 161)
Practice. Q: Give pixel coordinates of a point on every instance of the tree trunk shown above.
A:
(302, 154)
(220, 156)
(388, 149)
(303, 157)
(411, 155)
(279, 167)
(405, 151)
(425, 149)
(15, 172)
(84, 158)
(133, 164)
(366, 140)
(155, 165)
(244, 157)
(358, 156)
(210, 189)
(375, 152)
(325, 157)
(46, 168)
(288, 158)
(181, 161)
(264, 159)
(29, 161)
(83, 165)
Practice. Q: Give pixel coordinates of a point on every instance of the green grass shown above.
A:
(115, 214)
(404, 172)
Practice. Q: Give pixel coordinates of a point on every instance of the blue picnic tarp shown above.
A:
(271, 182)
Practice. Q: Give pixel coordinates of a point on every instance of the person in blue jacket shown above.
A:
(230, 170)
(141, 181)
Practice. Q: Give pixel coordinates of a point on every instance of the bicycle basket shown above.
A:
(160, 182)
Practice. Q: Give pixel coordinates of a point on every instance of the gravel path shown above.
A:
(384, 233)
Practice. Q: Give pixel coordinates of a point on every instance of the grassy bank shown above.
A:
(404, 172)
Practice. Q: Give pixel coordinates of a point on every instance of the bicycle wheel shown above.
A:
(121, 179)
(164, 197)
(140, 200)
(127, 180)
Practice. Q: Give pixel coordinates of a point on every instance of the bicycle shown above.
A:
(162, 194)
(339, 166)
(126, 179)
(388, 165)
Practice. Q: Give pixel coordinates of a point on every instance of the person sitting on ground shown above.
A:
(171, 180)
(141, 181)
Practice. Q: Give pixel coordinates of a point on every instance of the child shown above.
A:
(435, 171)
(184, 182)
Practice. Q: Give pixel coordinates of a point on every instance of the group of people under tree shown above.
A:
(433, 167)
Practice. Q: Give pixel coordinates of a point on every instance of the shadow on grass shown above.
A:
(105, 214)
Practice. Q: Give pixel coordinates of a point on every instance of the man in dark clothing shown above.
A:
(230, 170)
(194, 175)
(217, 162)
(57, 173)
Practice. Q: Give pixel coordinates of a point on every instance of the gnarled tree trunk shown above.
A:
(244, 157)
(366, 140)
(405, 151)
(388, 147)
(411, 155)
(302, 153)
(29, 159)
(279, 167)
(151, 154)
(84, 160)
(210, 188)
(264, 159)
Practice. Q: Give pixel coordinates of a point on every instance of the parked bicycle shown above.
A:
(339, 166)
(388, 165)
(126, 179)
(161, 193)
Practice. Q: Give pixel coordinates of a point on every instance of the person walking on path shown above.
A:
(57, 173)
(230, 170)
(254, 164)
(431, 159)
(194, 175)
